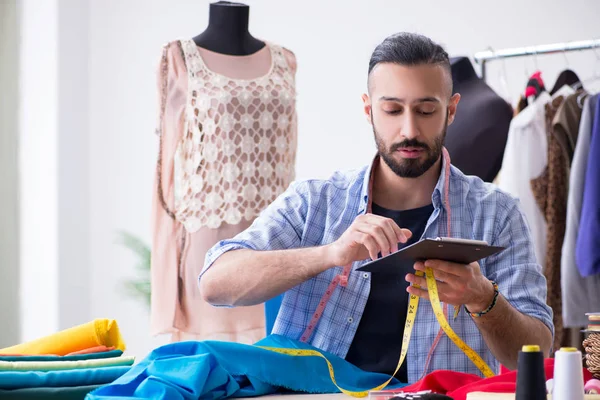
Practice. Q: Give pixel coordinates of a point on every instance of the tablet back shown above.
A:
(429, 249)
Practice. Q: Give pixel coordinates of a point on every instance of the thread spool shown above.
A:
(531, 378)
(591, 344)
(592, 386)
(568, 375)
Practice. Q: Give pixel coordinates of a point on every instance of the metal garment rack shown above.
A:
(483, 57)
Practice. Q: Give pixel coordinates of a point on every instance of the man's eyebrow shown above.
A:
(399, 100)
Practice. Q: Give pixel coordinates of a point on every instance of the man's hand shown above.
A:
(368, 235)
(457, 284)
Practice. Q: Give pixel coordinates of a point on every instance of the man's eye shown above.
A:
(426, 112)
(393, 112)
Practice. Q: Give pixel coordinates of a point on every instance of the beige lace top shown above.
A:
(227, 132)
(239, 149)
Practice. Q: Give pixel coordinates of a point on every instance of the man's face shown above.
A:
(410, 109)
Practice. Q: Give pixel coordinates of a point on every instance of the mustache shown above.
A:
(408, 143)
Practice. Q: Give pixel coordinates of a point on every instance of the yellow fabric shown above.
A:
(94, 333)
(64, 365)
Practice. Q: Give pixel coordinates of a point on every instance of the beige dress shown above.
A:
(228, 138)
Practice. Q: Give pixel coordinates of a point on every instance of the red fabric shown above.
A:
(538, 76)
(457, 384)
(530, 91)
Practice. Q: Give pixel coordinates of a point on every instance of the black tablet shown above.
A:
(463, 251)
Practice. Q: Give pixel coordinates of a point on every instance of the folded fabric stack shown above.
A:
(66, 365)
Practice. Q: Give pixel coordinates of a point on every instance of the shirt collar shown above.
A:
(367, 187)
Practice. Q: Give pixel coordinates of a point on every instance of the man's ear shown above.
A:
(367, 106)
(452, 106)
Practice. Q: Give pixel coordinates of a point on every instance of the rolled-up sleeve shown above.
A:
(519, 276)
(280, 226)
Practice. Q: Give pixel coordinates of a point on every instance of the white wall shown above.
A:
(9, 183)
(53, 166)
(38, 141)
(332, 41)
(73, 163)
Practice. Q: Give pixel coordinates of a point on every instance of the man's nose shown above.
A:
(410, 129)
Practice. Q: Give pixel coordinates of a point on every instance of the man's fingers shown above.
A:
(402, 235)
(406, 233)
(377, 233)
(423, 291)
(418, 292)
(422, 281)
(439, 275)
(370, 244)
(392, 236)
(458, 270)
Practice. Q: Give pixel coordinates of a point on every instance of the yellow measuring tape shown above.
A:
(408, 327)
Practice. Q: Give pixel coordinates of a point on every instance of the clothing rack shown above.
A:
(483, 57)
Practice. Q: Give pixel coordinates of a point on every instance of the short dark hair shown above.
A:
(410, 49)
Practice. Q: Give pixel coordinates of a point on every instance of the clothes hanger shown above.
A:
(596, 74)
(566, 77)
(594, 77)
(504, 91)
(535, 84)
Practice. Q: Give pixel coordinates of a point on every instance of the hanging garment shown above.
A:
(566, 126)
(227, 150)
(579, 295)
(535, 87)
(588, 238)
(550, 190)
(525, 158)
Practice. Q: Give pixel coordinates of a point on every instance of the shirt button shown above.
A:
(366, 275)
(350, 319)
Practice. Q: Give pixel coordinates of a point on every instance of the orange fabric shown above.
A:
(99, 332)
(91, 350)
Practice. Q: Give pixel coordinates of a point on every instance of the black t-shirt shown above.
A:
(378, 340)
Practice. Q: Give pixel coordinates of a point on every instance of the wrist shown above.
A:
(485, 301)
(328, 255)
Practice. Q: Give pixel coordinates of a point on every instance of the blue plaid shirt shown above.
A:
(317, 212)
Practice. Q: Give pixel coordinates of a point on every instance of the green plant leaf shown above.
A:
(139, 287)
(134, 244)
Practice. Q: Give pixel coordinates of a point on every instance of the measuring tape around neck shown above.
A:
(408, 327)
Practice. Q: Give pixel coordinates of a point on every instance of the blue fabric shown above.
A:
(588, 237)
(317, 212)
(271, 310)
(217, 370)
(73, 377)
(77, 357)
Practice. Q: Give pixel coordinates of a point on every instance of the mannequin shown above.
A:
(477, 138)
(227, 147)
(227, 31)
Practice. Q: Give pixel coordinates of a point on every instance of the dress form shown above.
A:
(477, 137)
(226, 99)
(227, 30)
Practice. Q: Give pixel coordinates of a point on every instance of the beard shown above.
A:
(410, 168)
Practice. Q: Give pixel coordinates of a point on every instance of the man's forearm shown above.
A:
(247, 277)
(506, 330)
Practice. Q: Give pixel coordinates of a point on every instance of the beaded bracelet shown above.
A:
(487, 310)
